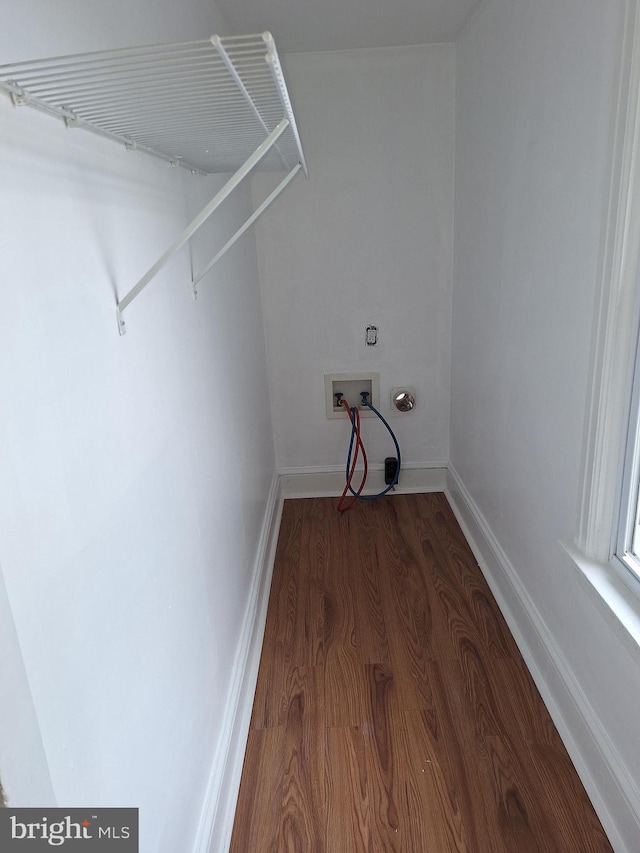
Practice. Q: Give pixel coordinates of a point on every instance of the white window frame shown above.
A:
(625, 551)
(614, 329)
(615, 338)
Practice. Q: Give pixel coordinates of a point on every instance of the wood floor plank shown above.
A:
(436, 636)
(257, 820)
(347, 809)
(393, 790)
(524, 711)
(345, 687)
(424, 766)
(443, 541)
(314, 553)
(365, 565)
(483, 703)
(302, 819)
(464, 593)
(383, 698)
(339, 619)
(579, 827)
(393, 711)
(408, 608)
(281, 614)
(389, 832)
(522, 812)
(345, 684)
(469, 773)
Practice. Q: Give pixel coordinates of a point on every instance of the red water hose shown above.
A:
(354, 417)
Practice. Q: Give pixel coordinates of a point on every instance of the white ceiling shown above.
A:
(308, 25)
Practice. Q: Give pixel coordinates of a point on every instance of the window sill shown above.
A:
(619, 605)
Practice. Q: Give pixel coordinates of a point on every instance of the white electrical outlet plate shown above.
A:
(350, 385)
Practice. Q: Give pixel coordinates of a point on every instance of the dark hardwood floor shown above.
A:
(393, 710)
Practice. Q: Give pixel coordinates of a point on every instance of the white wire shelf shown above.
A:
(216, 105)
(204, 105)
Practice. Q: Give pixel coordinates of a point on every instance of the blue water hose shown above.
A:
(369, 405)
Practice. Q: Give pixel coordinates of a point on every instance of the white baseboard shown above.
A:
(329, 481)
(612, 790)
(216, 825)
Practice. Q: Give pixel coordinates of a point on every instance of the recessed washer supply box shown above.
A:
(350, 385)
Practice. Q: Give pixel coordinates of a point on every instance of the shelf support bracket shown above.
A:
(255, 215)
(199, 220)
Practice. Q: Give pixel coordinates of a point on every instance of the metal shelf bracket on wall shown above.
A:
(219, 105)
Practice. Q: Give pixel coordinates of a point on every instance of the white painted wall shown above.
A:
(33, 28)
(536, 87)
(134, 471)
(367, 239)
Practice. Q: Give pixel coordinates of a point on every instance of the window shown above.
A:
(609, 502)
(626, 539)
(606, 548)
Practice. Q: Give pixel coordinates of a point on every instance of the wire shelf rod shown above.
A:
(121, 53)
(206, 55)
(213, 64)
(147, 148)
(254, 216)
(173, 92)
(170, 155)
(123, 134)
(217, 43)
(117, 53)
(176, 121)
(135, 107)
(176, 95)
(211, 158)
(187, 146)
(89, 69)
(179, 131)
(140, 111)
(178, 90)
(278, 79)
(245, 37)
(195, 150)
(124, 89)
(124, 83)
(217, 200)
(213, 161)
(133, 118)
(148, 79)
(180, 135)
